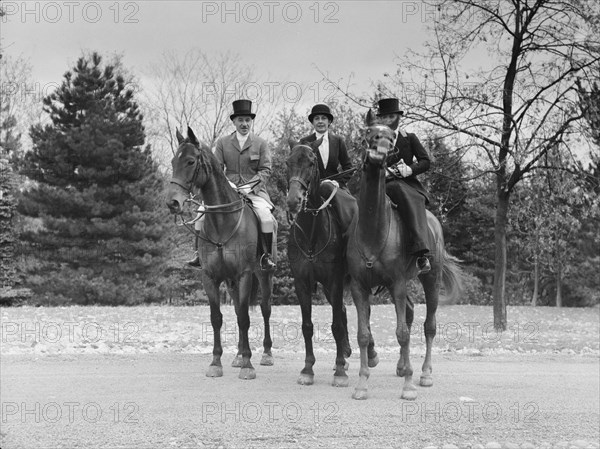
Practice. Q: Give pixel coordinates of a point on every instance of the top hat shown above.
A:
(388, 106)
(320, 109)
(242, 107)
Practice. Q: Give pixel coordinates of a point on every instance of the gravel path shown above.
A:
(74, 392)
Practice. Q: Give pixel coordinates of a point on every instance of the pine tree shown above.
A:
(101, 239)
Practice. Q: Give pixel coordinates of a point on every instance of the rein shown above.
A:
(311, 254)
(237, 205)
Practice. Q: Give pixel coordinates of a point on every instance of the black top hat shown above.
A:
(242, 107)
(320, 109)
(388, 106)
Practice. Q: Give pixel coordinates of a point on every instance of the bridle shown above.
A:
(310, 254)
(202, 209)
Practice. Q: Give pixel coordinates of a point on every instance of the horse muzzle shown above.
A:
(377, 156)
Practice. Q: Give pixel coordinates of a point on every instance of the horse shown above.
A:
(377, 256)
(231, 231)
(316, 249)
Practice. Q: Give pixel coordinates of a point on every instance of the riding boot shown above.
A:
(423, 264)
(195, 261)
(266, 263)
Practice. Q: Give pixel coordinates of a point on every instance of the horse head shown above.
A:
(190, 170)
(302, 174)
(380, 140)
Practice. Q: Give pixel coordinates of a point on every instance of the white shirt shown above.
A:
(241, 139)
(324, 147)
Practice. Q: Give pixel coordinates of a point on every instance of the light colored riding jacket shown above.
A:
(253, 162)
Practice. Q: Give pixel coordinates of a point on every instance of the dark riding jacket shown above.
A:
(338, 155)
(409, 149)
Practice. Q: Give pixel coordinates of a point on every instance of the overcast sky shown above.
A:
(285, 41)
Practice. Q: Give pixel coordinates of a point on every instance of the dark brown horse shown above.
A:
(230, 235)
(377, 256)
(316, 253)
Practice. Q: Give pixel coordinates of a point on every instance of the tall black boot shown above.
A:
(266, 263)
(195, 261)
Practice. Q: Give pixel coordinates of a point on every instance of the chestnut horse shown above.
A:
(316, 253)
(377, 256)
(230, 233)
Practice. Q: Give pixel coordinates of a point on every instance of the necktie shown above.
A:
(324, 150)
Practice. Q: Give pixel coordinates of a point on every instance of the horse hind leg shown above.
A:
(431, 288)
(372, 354)
(400, 367)
(266, 283)
(361, 301)
(247, 371)
(409, 392)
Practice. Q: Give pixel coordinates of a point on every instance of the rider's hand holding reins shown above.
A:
(402, 170)
(331, 181)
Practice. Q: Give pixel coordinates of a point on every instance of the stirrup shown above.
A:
(423, 265)
(195, 262)
(266, 264)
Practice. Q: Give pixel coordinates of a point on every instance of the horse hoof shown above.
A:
(400, 372)
(237, 362)
(247, 374)
(306, 379)
(373, 362)
(340, 381)
(359, 395)
(426, 380)
(214, 371)
(267, 360)
(409, 394)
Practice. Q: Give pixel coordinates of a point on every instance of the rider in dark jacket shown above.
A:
(405, 161)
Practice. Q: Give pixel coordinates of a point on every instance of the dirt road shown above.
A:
(165, 401)
(94, 377)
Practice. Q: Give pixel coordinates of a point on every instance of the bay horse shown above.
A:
(377, 256)
(230, 233)
(316, 249)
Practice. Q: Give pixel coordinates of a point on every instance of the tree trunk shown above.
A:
(536, 281)
(536, 269)
(500, 261)
(558, 276)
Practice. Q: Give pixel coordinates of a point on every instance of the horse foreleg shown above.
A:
(403, 335)
(266, 285)
(303, 287)
(243, 318)
(335, 296)
(431, 288)
(361, 301)
(216, 319)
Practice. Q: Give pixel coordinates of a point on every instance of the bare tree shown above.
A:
(196, 89)
(513, 112)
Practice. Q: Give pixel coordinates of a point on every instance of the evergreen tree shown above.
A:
(96, 193)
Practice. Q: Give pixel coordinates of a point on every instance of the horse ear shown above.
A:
(192, 136)
(292, 143)
(316, 144)
(370, 118)
(180, 138)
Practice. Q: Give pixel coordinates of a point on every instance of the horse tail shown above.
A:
(452, 273)
(452, 278)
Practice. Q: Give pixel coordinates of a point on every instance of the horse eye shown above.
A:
(191, 162)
